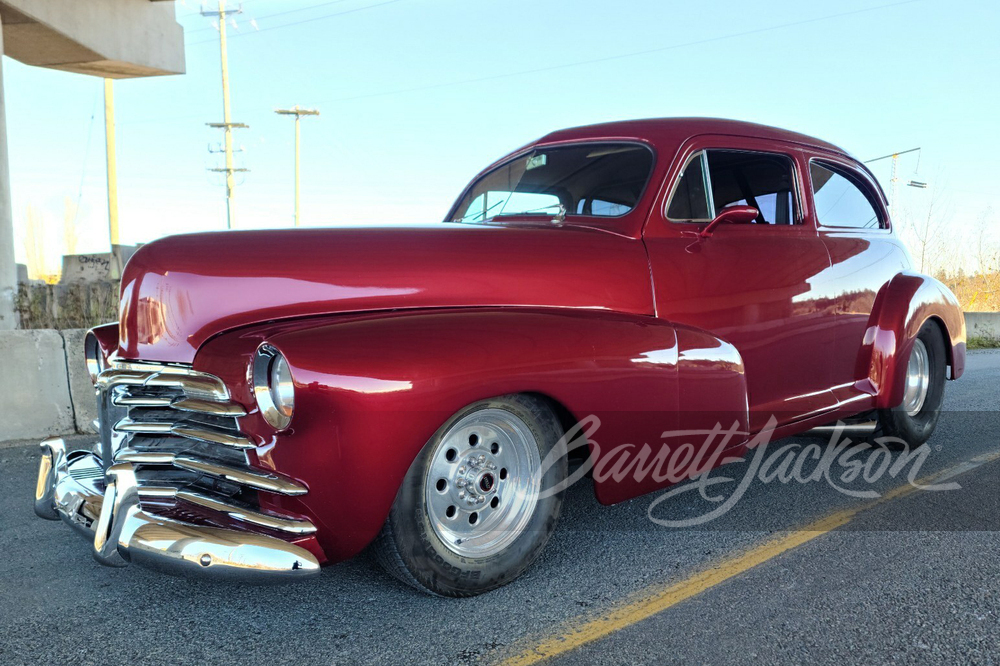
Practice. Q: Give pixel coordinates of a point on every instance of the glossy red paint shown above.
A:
(372, 389)
(178, 292)
(635, 320)
(904, 305)
(107, 338)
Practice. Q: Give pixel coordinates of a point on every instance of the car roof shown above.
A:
(669, 133)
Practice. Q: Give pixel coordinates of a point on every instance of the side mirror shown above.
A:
(730, 215)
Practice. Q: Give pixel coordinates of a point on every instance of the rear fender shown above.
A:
(901, 308)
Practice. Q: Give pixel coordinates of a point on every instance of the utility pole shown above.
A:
(893, 178)
(226, 125)
(297, 112)
(109, 141)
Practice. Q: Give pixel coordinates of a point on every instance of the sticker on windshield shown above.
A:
(535, 161)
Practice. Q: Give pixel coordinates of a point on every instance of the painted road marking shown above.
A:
(657, 599)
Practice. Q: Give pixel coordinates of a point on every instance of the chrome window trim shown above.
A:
(706, 174)
(838, 167)
(701, 154)
(798, 215)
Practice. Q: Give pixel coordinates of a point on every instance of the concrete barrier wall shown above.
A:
(81, 390)
(983, 325)
(46, 389)
(35, 397)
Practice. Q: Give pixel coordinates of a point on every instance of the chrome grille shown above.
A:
(179, 429)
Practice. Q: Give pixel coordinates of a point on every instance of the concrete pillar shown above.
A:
(8, 269)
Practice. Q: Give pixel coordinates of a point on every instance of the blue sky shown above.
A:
(417, 95)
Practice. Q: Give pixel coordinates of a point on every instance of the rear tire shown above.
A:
(914, 419)
(467, 518)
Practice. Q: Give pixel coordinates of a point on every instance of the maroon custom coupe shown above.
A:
(271, 401)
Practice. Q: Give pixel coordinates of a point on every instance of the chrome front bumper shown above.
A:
(106, 509)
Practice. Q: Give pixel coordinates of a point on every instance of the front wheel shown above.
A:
(470, 515)
(914, 419)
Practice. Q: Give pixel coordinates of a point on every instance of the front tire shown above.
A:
(469, 516)
(914, 419)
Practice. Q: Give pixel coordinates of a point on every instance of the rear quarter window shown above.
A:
(840, 200)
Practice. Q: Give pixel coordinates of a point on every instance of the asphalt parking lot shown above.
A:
(913, 578)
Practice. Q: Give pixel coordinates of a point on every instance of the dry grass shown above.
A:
(977, 293)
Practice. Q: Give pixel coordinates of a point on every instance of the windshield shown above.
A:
(596, 180)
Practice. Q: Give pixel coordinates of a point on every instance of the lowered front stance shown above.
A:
(271, 401)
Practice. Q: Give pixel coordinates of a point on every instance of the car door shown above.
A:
(753, 285)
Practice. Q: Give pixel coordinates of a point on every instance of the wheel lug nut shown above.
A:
(460, 483)
(481, 499)
(461, 470)
(461, 494)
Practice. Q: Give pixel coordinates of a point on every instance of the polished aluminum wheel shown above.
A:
(482, 483)
(918, 379)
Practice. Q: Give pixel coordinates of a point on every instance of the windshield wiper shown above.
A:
(479, 213)
(532, 211)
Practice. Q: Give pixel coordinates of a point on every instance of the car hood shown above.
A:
(180, 291)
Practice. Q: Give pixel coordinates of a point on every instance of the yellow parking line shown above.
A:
(656, 599)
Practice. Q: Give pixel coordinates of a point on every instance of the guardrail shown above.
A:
(48, 392)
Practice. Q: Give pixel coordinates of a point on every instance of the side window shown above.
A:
(761, 180)
(840, 202)
(690, 202)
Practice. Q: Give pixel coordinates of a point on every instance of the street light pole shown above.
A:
(298, 113)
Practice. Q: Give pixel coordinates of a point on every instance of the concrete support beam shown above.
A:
(108, 38)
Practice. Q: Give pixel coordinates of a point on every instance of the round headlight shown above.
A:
(273, 387)
(96, 362)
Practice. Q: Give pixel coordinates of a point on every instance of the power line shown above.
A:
(577, 63)
(885, 157)
(310, 20)
(621, 56)
(86, 152)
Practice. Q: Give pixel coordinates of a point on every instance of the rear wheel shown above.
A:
(470, 515)
(914, 419)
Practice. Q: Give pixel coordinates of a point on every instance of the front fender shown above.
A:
(372, 390)
(901, 308)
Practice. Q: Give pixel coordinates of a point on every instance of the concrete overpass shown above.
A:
(106, 38)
